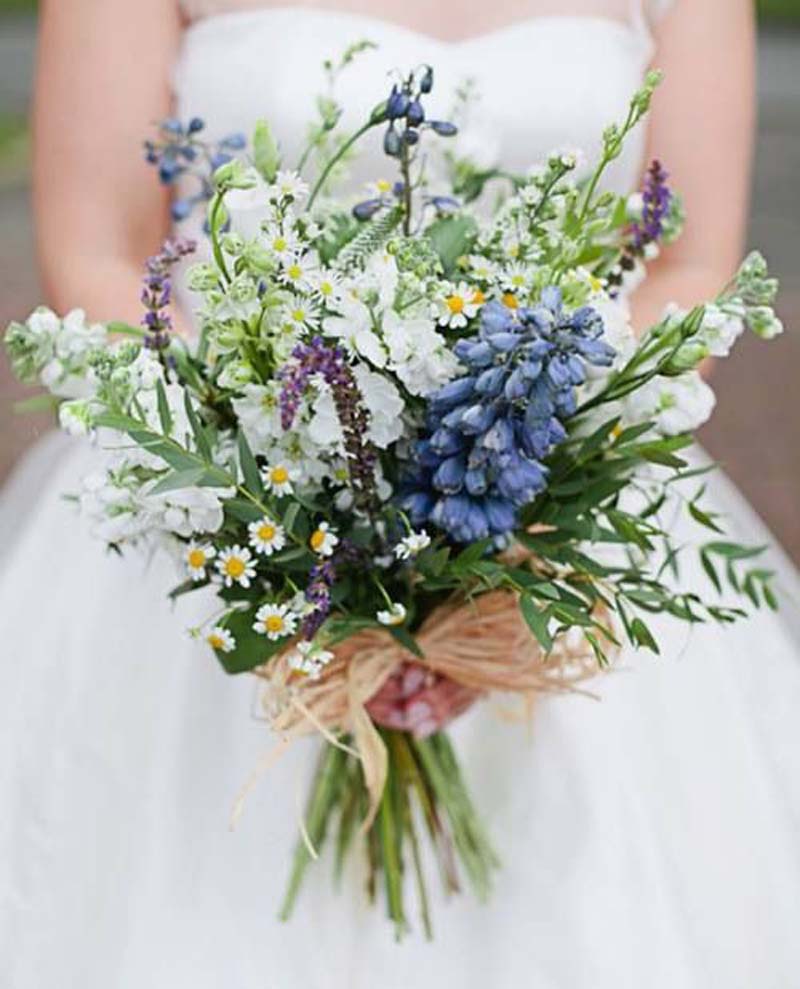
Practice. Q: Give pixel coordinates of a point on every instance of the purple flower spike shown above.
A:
(157, 290)
(657, 198)
(317, 358)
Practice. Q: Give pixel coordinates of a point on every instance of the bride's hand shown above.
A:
(418, 701)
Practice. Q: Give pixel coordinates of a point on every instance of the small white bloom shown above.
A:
(275, 621)
(675, 405)
(289, 183)
(299, 271)
(196, 557)
(300, 314)
(411, 545)
(384, 404)
(516, 278)
(395, 614)
(221, 639)
(309, 660)
(457, 304)
(282, 243)
(357, 331)
(235, 566)
(266, 536)
(323, 539)
(278, 479)
(75, 417)
(330, 288)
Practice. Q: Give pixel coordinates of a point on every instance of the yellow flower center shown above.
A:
(298, 315)
(510, 300)
(317, 539)
(383, 185)
(274, 623)
(478, 298)
(279, 244)
(513, 251)
(595, 283)
(215, 641)
(294, 271)
(234, 567)
(266, 532)
(326, 288)
(517, 281)
(197, 559)
(455, 304)
(279, 475)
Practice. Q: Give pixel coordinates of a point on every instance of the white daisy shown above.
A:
(300, 313)
(221, 639)
(395, 614)
(283, 244)
(278, 479)
(275, 621)
(379, 188)
(456, 305)
(266, 536)
(323, 539)
(289, 183)
(235, 566)
(299, 271)
(196, 557)
(515, 278)
(411, 545)
(330, 288)
(309, 660)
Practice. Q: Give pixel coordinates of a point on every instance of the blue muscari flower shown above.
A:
(491, 430)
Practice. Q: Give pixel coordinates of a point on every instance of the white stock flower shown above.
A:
(75, 417)
(355, 328)
(418, 354)
(384, 404)
(675, 405)
(259, 414)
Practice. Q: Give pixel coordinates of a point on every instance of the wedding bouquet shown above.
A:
(416, 440)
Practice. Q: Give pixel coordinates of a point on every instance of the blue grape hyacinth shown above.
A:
(490, 431)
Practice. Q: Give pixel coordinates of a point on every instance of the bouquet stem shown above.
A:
(424, 786)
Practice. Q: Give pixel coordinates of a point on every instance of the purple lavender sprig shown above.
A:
(656, 196)
(157, 291)
(317, 358)
(318, 595)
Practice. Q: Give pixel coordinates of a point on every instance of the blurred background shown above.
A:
(755, 433)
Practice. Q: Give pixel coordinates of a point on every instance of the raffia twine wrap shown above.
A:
(482, 643)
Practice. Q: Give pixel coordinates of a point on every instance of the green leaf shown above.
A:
(266, 156)
(242, 510)
(200, 477)
(200, 438)
(537, 621)
(119, 328)
(164, 414)
(452, 237)
(406, 640)
(642, 636)
(250, 471)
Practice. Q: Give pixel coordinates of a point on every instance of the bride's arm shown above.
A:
(102, 79)
(701, 128)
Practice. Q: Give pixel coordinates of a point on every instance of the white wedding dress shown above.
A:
(651, 839)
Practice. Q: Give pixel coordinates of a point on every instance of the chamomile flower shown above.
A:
(235, 566)
(323, 540)
(290, 184)
(196, 558)
(481, 268)
(221, 639)
(456, 306)
(516, 278)
(266, 536)
(309, 660)
(395, 614)
(276, 621)
(299, 271)
(278, 479)
(330, 288)
(301, 314)
(411, 545)
(283, 244)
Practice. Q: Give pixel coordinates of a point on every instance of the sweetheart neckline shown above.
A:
(638, 32)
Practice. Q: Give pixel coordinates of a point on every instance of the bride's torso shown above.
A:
(550, 76)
